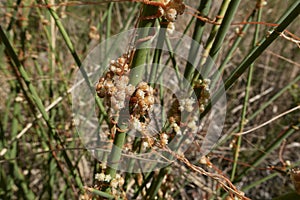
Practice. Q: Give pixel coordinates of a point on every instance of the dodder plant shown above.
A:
(125, 101)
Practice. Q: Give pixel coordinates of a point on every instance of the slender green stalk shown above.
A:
(101, 194)
(231, 50)
(289, 16)
(246, 98)
(203, 8)
(157, 54)
(156, 183)
(275, 144)
(19, 178)
(212, 36)
(284, 21)
(77, 60)
(260, 181)
(108, 23)
(37, 101)
(139, 59)
(64, 34)
(220, 36)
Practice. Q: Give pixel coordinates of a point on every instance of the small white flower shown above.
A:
(176, 128)
(103, 165)
(107, 178)
(170, 28)
(192, 125)
(19, 99)
(203, 160)
(114, 183)
(145, 144)
(118, 176)
(181, 108)
(140, 94)
(207, 81)
(121, 181)
(164, 139)
(201, 108)
(136, 124)
(164, 142)
(100, 177)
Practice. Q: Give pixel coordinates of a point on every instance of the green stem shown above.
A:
(156, 183)
(139, 59)
(289, 16)
(268, 150)
(37, 101)
(220, 36)
(231, 50)
(246, 99)
(203, 8)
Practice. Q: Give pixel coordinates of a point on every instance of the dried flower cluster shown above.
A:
(140, 105)
(295, 176)
(172, 8)
(169, 10)
(115, 183)
(113, 87)
(118, 94)
(204, 96)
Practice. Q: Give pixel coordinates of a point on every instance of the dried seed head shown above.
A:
(100, 177)
(107, 178)
(121, 181)
(164, 139)
(171, 15)
(295, 177)
(114, 183)
(172, 9)
(170, 28)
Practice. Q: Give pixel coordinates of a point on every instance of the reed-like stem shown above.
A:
(238, 139)
(204, 9)
(37, 102)
(289, 16)
(221, 34)
(139, 59)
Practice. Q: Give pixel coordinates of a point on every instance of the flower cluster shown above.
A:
(171, 9)
(295, 177)
(114, 85)
(204, 96)
(142, 100)
(186, 104)
(140, 105)
(102, 177)
(115, 183)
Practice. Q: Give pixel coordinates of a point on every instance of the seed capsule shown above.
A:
(295, 177)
